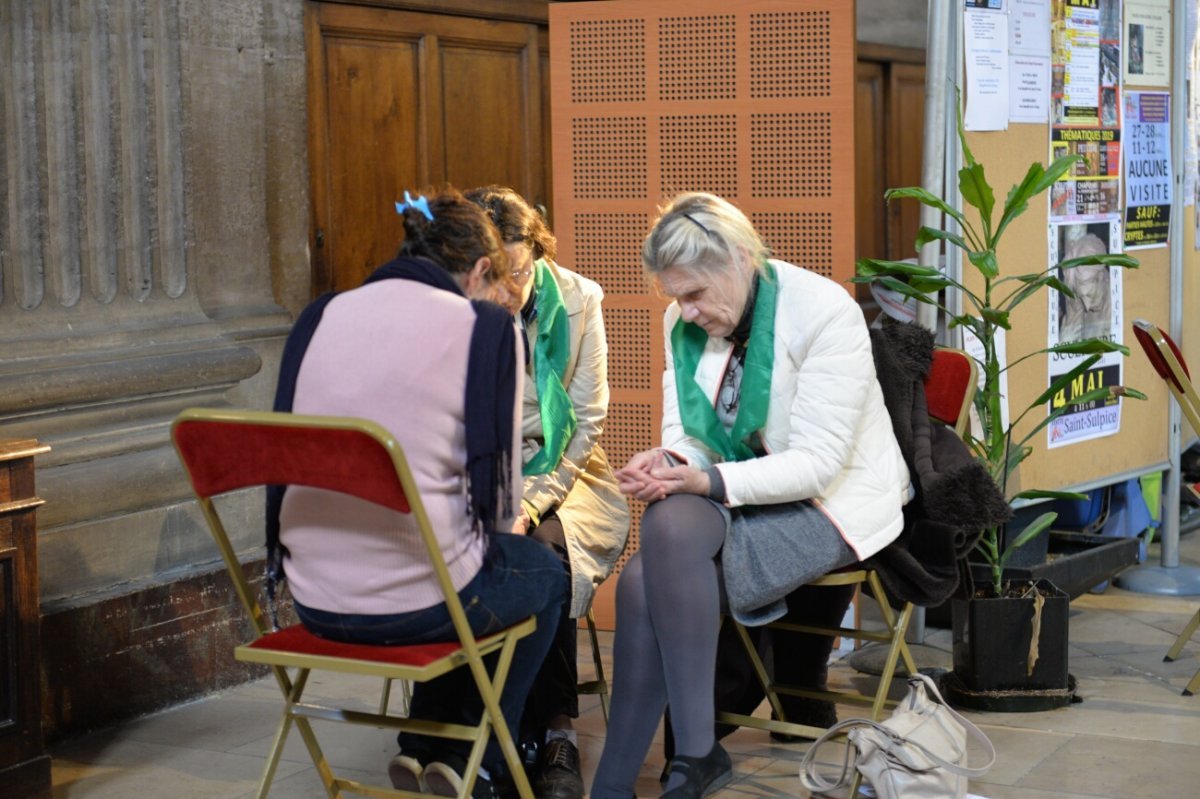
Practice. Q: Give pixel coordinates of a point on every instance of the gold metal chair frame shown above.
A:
(191, 435)
(1181, 387)
(892, 634)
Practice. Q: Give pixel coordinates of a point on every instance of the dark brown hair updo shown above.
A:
(516, 219)
(458, 235)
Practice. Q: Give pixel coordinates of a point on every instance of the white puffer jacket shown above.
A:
(828, 436)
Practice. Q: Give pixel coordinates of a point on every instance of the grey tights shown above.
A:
(665, 649)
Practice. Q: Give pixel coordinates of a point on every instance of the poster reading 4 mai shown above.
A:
(1095, 311)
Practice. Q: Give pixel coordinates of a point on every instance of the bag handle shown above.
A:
(816, 783)
(975, 732)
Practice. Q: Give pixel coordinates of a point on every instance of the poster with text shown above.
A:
(1148, 37)
(1085, 64)
(1147, 169)
(1096, 311)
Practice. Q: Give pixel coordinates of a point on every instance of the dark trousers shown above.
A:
(555, 690)
(519, 578)
(794, 658)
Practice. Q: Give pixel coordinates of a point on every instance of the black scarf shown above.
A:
(491, 386)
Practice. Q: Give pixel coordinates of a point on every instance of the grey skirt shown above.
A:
(771, 550)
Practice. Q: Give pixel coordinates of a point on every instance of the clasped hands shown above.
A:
(650, 476)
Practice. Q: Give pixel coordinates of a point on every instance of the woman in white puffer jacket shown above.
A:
(778, 464)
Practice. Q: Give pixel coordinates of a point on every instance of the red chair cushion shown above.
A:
(947, 384)
(297, 640)
(1156, 358)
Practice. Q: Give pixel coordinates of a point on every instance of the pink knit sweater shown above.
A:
(395, 352)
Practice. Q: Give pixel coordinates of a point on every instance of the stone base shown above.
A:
(28, 780)
(129, 655)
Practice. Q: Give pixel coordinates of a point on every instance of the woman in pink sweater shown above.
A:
(416, 349)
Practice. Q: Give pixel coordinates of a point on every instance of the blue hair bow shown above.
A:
(420, 204)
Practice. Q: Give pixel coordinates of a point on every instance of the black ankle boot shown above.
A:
(701, 775)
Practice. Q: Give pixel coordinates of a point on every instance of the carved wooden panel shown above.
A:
(403, 100)
(24, 766)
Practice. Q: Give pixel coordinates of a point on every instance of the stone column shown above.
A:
(153, 199)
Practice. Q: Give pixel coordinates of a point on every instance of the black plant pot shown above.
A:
(991, 642)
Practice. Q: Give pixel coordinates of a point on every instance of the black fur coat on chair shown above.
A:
(956, 499)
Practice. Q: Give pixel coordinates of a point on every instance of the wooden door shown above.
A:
(890, 120)
(404, 100)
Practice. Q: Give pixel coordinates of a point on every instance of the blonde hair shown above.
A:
(697, 229)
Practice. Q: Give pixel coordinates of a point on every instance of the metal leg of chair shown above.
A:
(1183, 638)
(897, 648)
(490, 691)
(1193, 685)
(292, 697)
(890, 620)
(386, 698)
(760, 671)
(601, 684)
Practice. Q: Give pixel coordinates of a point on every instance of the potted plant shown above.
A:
(1028, 659)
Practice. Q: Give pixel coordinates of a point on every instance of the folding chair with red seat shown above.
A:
(949, 389)
(1168, 361)
(223, 451)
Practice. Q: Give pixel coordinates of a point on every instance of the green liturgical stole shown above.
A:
(697, 413)
(550, 353)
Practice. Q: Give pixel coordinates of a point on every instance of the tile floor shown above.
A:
(1133, 735)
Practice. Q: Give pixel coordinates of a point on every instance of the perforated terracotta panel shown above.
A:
(630, 366)
(791, 155)
(699, 152)
(608, 62)
(608, 249)
(753, 101)
(610, 158)
(798, 238)
(791, 53)
(697, 57)
(630, 425)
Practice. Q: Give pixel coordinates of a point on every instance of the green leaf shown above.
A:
(1133, 393)
(906, 289)
(1028, 534)
(1064, 380)
(968, 156)
(1089, 346)
(927, 198)
(1055, 171)
(1038, 493)
(985, 262)
(1119, 259)
(1036, 181)
(976, 191)
(972, 323)
(1029, 289)
(874, 266)
(927, 234)
(930, 285)
(997, 317)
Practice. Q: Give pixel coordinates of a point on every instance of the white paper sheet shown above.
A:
(986, 52)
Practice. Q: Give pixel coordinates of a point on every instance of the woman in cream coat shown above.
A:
(571, 502)
(778, 457)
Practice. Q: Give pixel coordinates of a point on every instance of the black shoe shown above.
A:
(701, 775)
(558, 775)
(803, 710)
